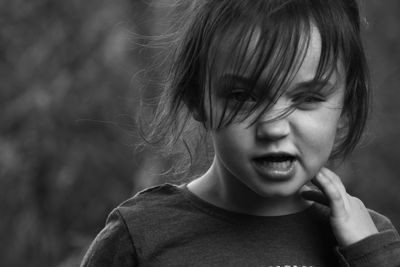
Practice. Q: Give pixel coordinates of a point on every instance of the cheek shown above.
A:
(231, 139)
(232, 145)
(319, 134)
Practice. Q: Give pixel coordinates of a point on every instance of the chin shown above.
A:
(277, 192)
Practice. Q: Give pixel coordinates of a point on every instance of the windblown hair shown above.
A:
(222, 33)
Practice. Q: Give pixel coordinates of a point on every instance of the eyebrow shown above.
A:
(312, 83)
(326, 86)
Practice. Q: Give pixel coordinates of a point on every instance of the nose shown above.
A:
(271, 129)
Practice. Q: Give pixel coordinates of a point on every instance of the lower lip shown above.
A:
(276, 170)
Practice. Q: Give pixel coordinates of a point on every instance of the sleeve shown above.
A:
(381, 249)
(113, 246)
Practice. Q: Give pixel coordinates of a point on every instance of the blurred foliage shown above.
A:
(68, 94)
(66, 89)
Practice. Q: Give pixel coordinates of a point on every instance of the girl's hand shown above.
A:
(349, 217)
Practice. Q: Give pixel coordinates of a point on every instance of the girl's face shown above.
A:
(275, 158)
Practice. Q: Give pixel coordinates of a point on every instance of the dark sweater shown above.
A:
(167, 225)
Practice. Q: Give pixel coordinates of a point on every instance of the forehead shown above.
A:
(254, 53)
(312, 54)
(308, 67)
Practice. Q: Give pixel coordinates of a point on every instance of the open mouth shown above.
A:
(276, 158)
(275, 163)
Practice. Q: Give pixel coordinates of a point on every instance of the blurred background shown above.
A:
(69, 91)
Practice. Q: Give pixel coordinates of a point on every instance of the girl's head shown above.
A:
(235, 59)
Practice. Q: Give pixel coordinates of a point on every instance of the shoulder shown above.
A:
(165, 190)
(112, 246)
(151, 199)
(122, 238)
(153, 207)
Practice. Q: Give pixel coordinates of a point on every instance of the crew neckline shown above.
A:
(233, 216)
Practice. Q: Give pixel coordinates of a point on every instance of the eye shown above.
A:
(308, 100)
(241, 96)
(313, 99)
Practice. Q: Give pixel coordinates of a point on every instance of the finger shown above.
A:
(316, 196)
(332, 192)
(335, 179)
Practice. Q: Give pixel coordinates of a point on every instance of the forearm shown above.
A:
(382, 249)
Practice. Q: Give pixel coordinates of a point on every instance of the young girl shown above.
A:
(280, 87)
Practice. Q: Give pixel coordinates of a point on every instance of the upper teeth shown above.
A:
(278, 158)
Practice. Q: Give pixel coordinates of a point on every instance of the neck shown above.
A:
(236, 196)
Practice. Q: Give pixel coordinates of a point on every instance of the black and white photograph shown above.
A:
(200, 133)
